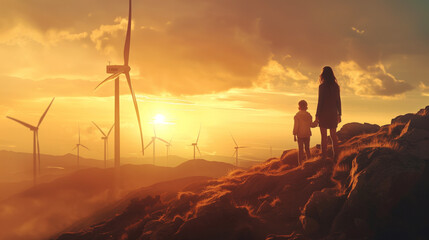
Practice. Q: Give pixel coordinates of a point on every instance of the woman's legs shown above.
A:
(324, 142)
(334, 138)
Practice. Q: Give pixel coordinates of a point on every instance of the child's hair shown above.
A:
(302, 105)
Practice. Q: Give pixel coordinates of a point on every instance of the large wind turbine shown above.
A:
(117, 70)
(236, 150)
(36, 148)
(105, 138)
(153, 142)
(195, 144)
(77, 147)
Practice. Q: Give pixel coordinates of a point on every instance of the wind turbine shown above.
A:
(153, 142)
(36, 148)
(78, 145)
(168, 145)
(236, 151)
(195, 144)
(105, 137)
(117, 70)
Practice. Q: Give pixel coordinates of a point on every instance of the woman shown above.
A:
(328, 109)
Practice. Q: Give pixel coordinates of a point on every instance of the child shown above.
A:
(301, 130)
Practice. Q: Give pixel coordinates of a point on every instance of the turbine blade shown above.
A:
(79, 132)
(136, 107)
(31, 127)
(154, 130)
(44, 114)
(99, 128)
(148, 144)
(74, 148)
(198, 137)
(198, 149)
(234, 152)
(110, 130)
(162, 140)
(84, 146)
(234, 140)
(113, 76)
(127, 38)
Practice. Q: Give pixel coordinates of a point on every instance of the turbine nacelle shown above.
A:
(117, 69)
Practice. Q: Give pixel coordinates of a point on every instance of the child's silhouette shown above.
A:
(303, 121)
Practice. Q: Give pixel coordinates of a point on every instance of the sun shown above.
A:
(159, 119)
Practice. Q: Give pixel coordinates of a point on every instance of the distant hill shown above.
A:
(376, 189)
(52, 206)
(18, 166)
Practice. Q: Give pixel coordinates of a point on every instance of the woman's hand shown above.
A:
(339, 118)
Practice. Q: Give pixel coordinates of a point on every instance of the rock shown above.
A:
(403, 118)
(419, 122)
(350, 130)
(424, 111)
(319, 211)
(375, 188)
(309, 225)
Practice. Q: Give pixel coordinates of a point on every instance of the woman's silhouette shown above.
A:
(328, 109)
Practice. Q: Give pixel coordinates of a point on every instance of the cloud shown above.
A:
(425, 89)
(372, 81)
(101, 34)
(23, 35)
(197, 47)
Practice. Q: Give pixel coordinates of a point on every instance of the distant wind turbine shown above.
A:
(78, 145)
(117, 70)
(168, 145)
(105, 138)
(153, 142)
(36, 148)
(195, 144)
(236, 151)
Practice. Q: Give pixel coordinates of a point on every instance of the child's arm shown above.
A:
(315, 123)
(295, 128)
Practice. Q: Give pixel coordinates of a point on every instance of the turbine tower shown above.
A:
(153, 142)
(77, 147)
(168, 145)
(236, 151)
(117, 70)
(105, 138)
(36, 148)
(195, 144)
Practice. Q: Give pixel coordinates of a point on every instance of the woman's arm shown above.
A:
(319, 103)
(339, 102)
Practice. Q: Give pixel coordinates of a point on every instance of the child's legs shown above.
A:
(300, 150)
(307, 147)
(324, 143)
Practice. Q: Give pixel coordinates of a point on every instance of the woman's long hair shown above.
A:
(327, 77)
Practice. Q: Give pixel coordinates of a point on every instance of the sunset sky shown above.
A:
(238, 66)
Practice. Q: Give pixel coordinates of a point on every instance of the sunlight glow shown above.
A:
(159, 119)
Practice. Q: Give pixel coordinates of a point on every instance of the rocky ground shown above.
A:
(378, 189)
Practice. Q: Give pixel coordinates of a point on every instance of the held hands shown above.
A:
(339, 118)
(294, 138)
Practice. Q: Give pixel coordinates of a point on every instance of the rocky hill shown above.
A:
(48, 208)
(376, 190)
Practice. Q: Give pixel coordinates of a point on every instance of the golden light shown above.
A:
(159, 119)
